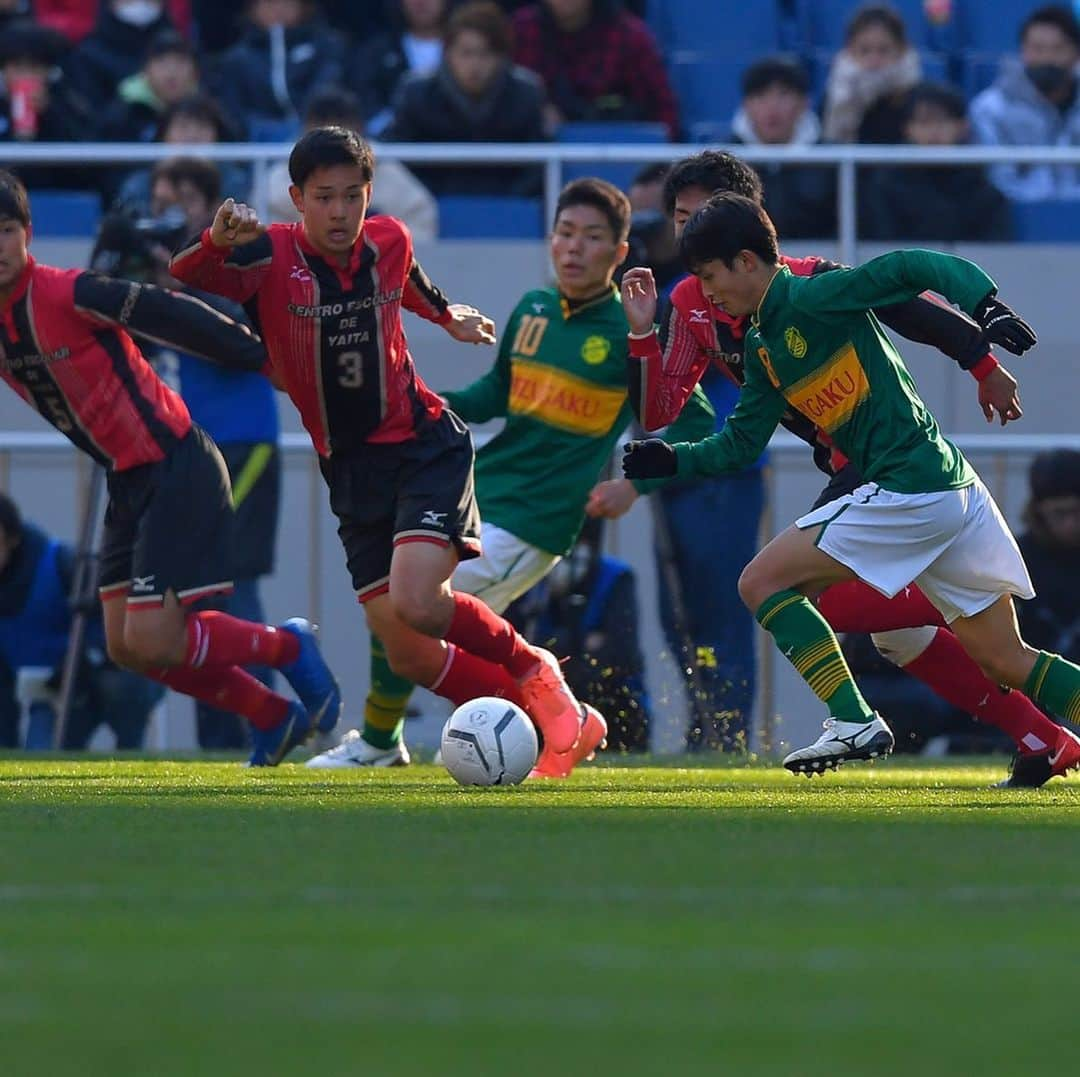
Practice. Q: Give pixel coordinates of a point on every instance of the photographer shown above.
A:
(36, 572)
(236, 409)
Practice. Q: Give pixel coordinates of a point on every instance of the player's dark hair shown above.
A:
(1056, 15)
(938, 95)
(711, 170)
(203, 175)
(483, 17)
(11, 522)
(775, 71)
(887, 17)
(726, 224)
(604, 196)
(14, 204)
(324, 147)
(334, 107)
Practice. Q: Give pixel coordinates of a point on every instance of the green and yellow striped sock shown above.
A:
(806, 640)
(384, 708)
(1054, 683)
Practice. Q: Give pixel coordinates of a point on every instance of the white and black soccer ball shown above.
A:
(489, 741)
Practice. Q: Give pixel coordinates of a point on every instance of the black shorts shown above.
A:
(169, 527)
(255, 471)
(845, 481)
(411, 491)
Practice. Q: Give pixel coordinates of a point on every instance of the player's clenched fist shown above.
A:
(235, 223)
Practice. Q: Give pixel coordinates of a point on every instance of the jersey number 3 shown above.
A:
(350, 370)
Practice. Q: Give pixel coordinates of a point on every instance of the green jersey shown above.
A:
(560, 382)
(815, 346)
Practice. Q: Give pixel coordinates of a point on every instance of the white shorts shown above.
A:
(507, 568)
(955, 545)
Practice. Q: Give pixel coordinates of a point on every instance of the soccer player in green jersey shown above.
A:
(560, 382)
(923, 515)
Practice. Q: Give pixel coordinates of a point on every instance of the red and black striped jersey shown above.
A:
(693, 334)
(66, 349)
(333, 335)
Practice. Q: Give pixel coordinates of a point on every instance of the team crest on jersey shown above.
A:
(301, 273)
(595, 350)
(795, 341)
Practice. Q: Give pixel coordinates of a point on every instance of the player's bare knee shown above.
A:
(150, 649)
(120, 654)
(419, 612)
(754, 586)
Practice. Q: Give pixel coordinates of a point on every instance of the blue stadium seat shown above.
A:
(65, 213)
(707, 87)
(619, 173)
(1047, 222)
(463, 216)
(262, 129)
(977, 71)
(730, 27)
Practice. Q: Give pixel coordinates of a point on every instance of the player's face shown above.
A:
(584, 251)
(730, 288)
(687, 203)
(13, 252)
(333, 203)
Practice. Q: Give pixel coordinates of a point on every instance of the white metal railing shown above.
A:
(553, 155)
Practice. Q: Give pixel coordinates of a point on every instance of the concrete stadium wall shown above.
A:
(311, 578)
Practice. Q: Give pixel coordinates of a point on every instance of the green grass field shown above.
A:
(166, 918)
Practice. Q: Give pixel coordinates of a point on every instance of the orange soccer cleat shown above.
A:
(560, 764)
(550, 702)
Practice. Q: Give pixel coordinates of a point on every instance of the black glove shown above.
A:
(651, 459)
(1002, 325)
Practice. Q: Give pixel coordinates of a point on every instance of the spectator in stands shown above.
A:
(397, 192)
(238, 410)
(933, 202)
(170, 73)
(36, 573)
(1051, 544)
(75, 19)
(598, 62)
(287, 54)
(37, 104)
(801, 199)
(412, 47)
(477, 95)
(193, 121)
(1034, 102)
(115, 49)
(13, 11)
(869, 79)
(652, 242)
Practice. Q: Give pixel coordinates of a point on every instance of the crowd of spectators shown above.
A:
(481, 71)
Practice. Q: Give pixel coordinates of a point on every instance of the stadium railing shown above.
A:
(553, 156)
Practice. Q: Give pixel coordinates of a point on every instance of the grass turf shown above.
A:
(190, 918)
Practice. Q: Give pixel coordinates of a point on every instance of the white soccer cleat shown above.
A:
(840, 742)
(354, 751)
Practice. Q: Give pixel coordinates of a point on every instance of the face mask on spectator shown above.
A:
(1048, 78)
(138, 12)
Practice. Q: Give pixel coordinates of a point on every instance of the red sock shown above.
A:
(466, 676)
(215, 640)
(228, 689)
(479, 629)
(947, 668)
(857, 607)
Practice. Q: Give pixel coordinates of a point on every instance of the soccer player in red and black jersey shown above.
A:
(327, 295)
(667, 363)
(66, 348)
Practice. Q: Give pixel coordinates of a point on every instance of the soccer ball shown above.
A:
(489, 741)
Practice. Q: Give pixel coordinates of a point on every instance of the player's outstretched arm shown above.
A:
(469, 326)
(171, 318)
(229, 258)
(664, 364)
